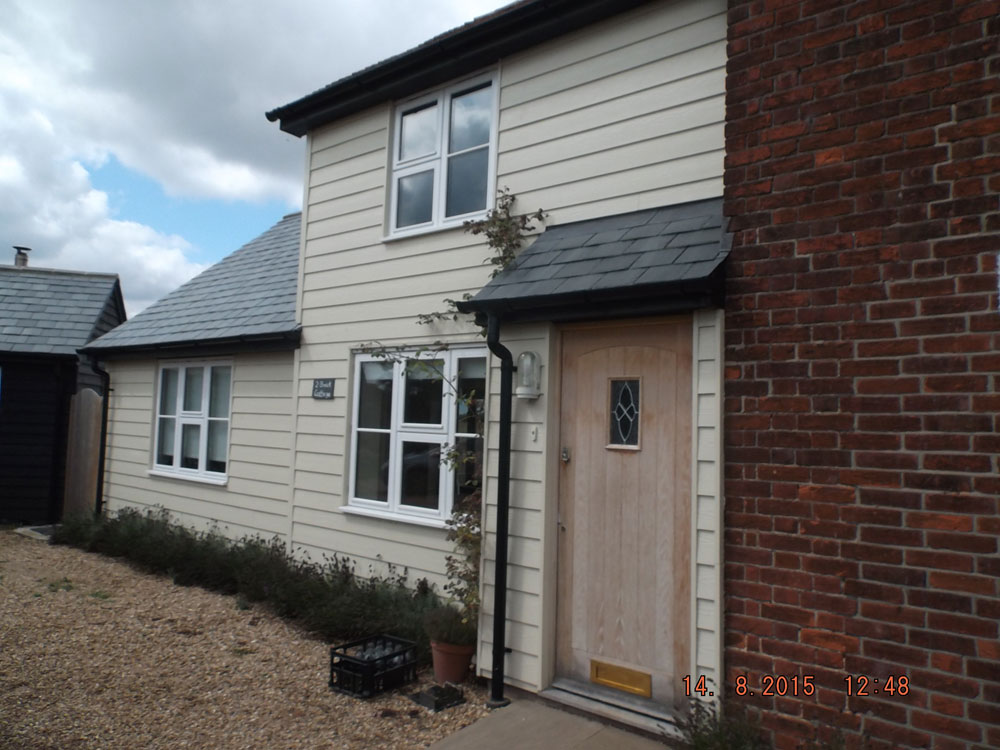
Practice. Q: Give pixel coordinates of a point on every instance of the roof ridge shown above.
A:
(42, 269)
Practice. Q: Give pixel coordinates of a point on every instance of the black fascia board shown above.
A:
(620, 302)
(282, 341)
(444, 58)
(18, 356)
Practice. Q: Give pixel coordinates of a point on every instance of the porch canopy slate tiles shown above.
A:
(653, 261)
(49, 311)
(249, 296)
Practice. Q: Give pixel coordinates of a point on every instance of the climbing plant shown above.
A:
(505, 232)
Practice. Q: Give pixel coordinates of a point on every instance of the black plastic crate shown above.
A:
(372, 665)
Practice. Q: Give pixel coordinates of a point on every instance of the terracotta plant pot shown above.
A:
(451, 663)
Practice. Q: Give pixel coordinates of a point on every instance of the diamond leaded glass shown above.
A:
(624, 412)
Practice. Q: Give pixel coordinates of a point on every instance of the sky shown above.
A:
(132, 132)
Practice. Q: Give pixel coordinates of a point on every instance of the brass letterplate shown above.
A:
(621, 678)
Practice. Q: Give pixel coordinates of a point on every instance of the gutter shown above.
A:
(497, 698)
(280, 340)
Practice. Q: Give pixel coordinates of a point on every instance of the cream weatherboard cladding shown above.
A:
(622, 115)
(255, 498)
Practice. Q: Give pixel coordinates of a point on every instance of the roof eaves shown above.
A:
(279, 339)
(463, 50)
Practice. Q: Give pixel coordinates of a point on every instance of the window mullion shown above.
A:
(395, 437)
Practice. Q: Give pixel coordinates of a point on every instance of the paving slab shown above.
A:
(528, 724)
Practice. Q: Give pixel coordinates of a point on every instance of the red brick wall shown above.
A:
(862, 359)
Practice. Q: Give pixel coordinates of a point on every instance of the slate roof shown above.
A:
(247, 296)
(48, 311)
(649, 261)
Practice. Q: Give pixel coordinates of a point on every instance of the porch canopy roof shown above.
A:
(650, 262)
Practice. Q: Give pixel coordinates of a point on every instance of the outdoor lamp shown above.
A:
(529, 375)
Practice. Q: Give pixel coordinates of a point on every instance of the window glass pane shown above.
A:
(418, 134)
(375, 395)
(190, 446)
(168, 391)
(218, 399)
(372, 467)
(424, 389)
(624, 412)
(415, 199)
(468, 468)
(471, 385)
(218, 430)
(421, 478)
(470, 119)
(467, 182)
(165, 441)
(194, 379)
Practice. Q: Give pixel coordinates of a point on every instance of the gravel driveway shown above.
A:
(96, 655)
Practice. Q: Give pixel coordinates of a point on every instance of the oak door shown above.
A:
(624, 612)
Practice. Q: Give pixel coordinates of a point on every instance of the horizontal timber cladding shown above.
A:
(619, 116)
(862, 361)
(255, 498)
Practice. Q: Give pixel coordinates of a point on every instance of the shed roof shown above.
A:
(50, 311)
(646, 262)
(248, 296)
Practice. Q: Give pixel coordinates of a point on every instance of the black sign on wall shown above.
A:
(323, 388)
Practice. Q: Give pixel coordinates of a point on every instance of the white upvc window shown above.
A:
(444, 157)
(192, 419)
(413, 417)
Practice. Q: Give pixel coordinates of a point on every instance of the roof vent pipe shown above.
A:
(21, 256)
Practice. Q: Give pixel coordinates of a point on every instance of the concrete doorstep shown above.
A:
(533, 725)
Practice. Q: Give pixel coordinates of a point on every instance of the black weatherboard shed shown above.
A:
(46, 315)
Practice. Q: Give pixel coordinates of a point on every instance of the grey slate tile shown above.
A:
(697, 253)
(251, 291)
(657, 245)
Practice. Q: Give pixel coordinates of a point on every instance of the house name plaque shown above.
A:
(323, 388)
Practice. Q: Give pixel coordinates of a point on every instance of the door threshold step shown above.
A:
(661, 726)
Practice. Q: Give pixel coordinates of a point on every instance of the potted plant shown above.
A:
(453, 642)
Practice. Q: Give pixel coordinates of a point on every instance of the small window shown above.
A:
(417, 438)
(443, 160)
(624, 413)
(192, 420)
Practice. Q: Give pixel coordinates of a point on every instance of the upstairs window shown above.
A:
(192, 420)
(443, 157)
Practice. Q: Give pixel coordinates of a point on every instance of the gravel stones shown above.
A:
(95, 655)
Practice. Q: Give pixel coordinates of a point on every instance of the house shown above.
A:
(49, 396)
(200, 419)
(769, 227)
(610, 117)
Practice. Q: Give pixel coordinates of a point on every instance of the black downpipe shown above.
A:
(102, 451)
(503, 511)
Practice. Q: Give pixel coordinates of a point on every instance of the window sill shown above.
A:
(405, 234)
(218, 482)
(354, 510)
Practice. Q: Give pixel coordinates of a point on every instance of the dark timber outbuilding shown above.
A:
(46, 315)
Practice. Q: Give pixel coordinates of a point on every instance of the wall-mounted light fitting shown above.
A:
(529, 376)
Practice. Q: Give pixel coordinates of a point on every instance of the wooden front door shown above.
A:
(624, 612)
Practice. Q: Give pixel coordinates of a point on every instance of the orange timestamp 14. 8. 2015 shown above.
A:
(795, 685)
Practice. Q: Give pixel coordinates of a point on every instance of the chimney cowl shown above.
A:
(21, 256)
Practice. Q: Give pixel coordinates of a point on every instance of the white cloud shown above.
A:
(177, 91)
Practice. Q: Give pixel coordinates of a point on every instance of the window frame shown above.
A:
(200, 417)
(438, 160)
(443, 434)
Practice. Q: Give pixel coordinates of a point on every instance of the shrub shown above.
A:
(706, 728)
(328, 599)
(449, 625)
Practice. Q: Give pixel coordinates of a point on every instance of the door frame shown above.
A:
(706, 570)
